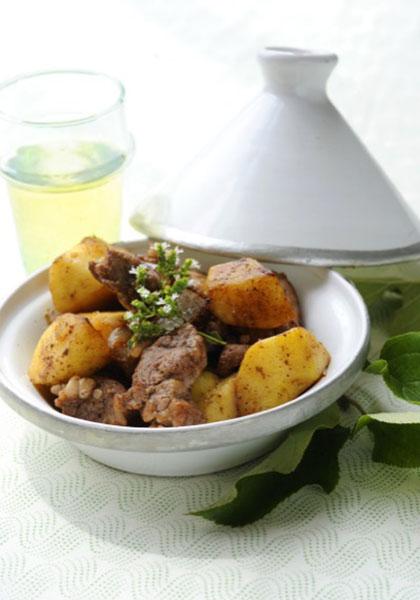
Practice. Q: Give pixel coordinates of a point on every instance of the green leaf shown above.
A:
(377, 367)
(399, 364)
(387, 301)
(308, 455)
(396, 437)
(392, 295)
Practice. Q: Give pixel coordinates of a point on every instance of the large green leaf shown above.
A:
(396, 437)
(399, 365)
(308, 455)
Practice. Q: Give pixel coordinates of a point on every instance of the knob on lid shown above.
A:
(287, 181)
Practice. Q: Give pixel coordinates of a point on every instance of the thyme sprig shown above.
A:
(214, 338)
(157, 312)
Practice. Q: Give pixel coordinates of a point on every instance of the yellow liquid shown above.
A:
(61, 194)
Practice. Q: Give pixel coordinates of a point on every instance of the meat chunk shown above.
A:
(217, 328)
(122, 353)
(92, 398)
(180, 355)
(197, 283)
(162, 381)
(151, 255)
(115, 271)
(167, 406)
(230, 359)
(194, 308)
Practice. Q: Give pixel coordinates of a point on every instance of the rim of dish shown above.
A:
(64, 122)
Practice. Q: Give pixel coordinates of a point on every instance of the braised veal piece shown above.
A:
(163, 379)
(231, 358)
(115, 271)
(149, 340)
(92, 398)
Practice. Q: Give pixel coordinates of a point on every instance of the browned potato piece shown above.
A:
(73, 287)
(204, 383)
(219, 403)
(278, 369)
(105, 322)
(69, 346)
(246, 294)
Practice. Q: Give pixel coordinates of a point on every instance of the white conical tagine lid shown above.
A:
(287, 181)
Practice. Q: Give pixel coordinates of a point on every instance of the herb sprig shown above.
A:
(157, 312)
(213, 338)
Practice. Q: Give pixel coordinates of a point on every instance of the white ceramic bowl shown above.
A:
(332, 309)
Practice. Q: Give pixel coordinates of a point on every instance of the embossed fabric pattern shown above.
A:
(72, 528)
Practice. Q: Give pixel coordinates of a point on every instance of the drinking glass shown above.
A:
(63, 147)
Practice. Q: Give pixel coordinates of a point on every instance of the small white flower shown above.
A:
(178, 250)
(160, 302)
(175, 296)
(170, 324)
(161, 245)
(133, 271)
(195, 264)
(143, 292)
(128, 315)
(166, 309)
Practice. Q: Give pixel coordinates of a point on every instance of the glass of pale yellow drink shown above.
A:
(63, 147)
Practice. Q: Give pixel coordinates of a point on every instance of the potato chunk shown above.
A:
(69, 346)
(278, 369)
(219, 403)
(105, 322)
(73, 287)
(204, 383)
(246, 294)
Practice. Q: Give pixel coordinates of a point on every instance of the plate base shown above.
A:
(194, 462)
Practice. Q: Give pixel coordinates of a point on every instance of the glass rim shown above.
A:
(65, 122)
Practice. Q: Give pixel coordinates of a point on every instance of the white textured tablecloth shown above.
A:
(73, 529)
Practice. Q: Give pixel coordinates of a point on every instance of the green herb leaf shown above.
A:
(308, 455)
(396, 437)
(399, 365)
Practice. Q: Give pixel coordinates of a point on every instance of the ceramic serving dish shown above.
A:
(332, 308)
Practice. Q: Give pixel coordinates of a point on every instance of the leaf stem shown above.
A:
(213, 339)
